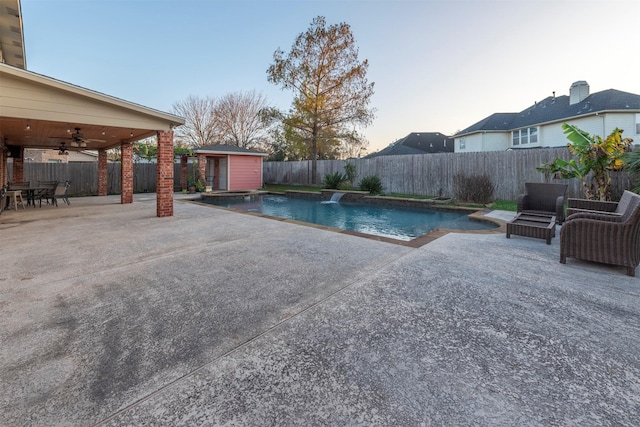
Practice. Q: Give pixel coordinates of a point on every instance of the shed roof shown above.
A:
(228, 149)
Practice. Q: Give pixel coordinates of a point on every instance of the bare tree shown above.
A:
(200, 126)
(240, 119)
(352, 146)
(331, 90)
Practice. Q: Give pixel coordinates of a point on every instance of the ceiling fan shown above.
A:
(78, 139)
(62, 150)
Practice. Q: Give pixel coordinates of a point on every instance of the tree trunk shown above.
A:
(314, 160)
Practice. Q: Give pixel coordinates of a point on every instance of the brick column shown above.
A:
(102, 172)
(18, 167)
(164, 174)
(126, 172)
(184, 169)
(202, 167)
(3, 169)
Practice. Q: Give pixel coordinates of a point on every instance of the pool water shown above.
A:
(400, 223)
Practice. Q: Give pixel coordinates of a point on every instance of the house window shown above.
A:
(525, 136)
(638, 124)
(463, 144)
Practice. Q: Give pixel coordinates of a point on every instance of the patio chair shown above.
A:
(602, 234)
(24, 188)
(543, 198)
(12, 198)
(61, 193)
(46, 190)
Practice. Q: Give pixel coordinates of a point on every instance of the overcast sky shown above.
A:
(438, 66)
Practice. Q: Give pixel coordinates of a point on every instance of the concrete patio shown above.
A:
(112, 316)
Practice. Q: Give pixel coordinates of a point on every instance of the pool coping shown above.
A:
(475, 214)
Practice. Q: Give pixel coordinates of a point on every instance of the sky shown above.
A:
(438, 66)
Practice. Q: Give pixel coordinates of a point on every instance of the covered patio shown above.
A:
(37, 111)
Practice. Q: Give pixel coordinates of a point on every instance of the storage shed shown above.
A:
(230, 168)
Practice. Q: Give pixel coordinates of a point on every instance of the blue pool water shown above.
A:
(387, 221)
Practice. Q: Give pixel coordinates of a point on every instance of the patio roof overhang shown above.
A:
(41, 112)
(12, 49)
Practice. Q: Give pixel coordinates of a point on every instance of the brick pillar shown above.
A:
(184, 169)
(164, 174)
(102, 172)
(18, 167)
(3, 169)
(126, 171)
(202, 167)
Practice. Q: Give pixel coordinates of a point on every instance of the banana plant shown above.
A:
(632, 165)
(594, 158)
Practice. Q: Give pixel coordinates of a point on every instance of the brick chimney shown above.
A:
(578, 92)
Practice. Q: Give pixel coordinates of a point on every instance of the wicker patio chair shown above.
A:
(543, 198)
(608, 236)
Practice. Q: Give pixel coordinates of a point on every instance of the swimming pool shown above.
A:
(401, 223)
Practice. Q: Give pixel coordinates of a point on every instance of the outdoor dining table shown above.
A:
(32, 191)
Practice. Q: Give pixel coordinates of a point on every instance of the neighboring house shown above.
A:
(38, 155)
(417, 143)
(231, 168)
(540, 125)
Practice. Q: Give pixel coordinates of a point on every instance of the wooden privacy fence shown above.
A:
(83, 176)
(422, 174)
(432, 174)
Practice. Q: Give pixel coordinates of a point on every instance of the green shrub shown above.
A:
(473, 188)
(350, 172)
(333, 180)
(372, 184)
(344, 185)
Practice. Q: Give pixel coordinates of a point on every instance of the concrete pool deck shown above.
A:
(112, 316)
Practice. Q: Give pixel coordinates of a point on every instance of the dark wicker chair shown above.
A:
(541, 198)
(605, 232)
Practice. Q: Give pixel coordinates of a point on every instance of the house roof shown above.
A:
(553, 109)
(12, 49)
(418, 143)
(228, 149)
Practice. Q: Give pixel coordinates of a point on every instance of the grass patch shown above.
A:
(502, 205)
(409, 196)
(505, 205)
